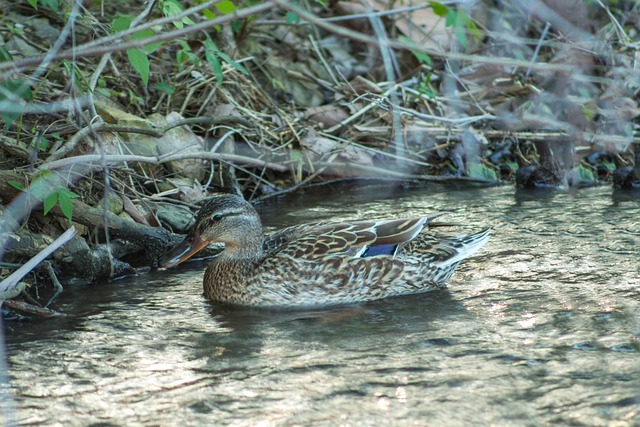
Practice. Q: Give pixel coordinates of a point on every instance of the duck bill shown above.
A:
(191, 245)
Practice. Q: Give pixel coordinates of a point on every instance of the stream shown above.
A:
(540, 327)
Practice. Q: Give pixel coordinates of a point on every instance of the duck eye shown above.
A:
(217, 217)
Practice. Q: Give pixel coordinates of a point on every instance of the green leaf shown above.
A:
(16, 185)
(5, 55)
(231, 62)
(164, 88)
(609, 166)
(589, 113)
(18, 88)
(38, 190)
(103, 91)
(422, 58)
(145, 34)
(215, 64)
(275, 83)
(425, 89)
(461, 35)
(452, 16)
(225, 7)
(50, 201)
(44, 174)
(296, 155)
(68, 193)
(438, 8)
(140, 63)
(184, 45)
(64, 199)
(512, 165)
(292, 18)
(478, 170)
(460, 28)
(121, 23)
(474, 30)
(41, 143)
(585, 174)
(182, 56)
(9, 118)
(52, 5)
(47, 4)
(66, 206)
(172, 8)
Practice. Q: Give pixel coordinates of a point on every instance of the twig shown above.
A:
(538, 46)
(376, 172)
(462, 121)
(354, 35)
(391, 70)
(105, 45)
(155, 132)
(44, 108)
(51, 54)
(88, 159)
(31, 309)
(56, 283)
(622, 35)
(10, 283)
(361, 111)
(350, 17)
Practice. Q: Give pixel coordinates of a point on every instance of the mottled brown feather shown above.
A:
(318, 264)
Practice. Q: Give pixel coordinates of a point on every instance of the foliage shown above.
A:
(52, 5)
(460, 21)
(424, 87)
(422, 57)
(44, 189)
(9, 90)
(214, 55)
(138, 57)
(585, 174)
(140, 62)
(481, 171)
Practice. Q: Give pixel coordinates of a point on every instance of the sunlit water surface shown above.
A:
(541, 327)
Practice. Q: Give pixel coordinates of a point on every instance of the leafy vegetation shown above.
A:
(44, 189)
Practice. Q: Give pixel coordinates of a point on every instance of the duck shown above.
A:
(318, 264)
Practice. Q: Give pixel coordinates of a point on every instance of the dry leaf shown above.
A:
(327, 115)
(421, 26)
(361, 86)
(322, 149)
(133, 211)
(344, 8)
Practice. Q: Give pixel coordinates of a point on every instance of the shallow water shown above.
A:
(541, 327)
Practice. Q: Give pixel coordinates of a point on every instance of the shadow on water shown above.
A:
(540, 327)
(333, 325)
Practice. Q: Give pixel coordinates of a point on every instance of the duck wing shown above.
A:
(354, 239)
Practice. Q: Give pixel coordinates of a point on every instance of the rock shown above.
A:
(183, 140)
(178, 218)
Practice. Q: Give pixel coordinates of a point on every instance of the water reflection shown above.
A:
(541, 327)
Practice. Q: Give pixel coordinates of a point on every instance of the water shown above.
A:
(541, 327)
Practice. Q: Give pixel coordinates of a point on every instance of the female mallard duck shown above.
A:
(318, 264)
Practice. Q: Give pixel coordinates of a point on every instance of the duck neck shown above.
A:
(227, 275)
(247, 248)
